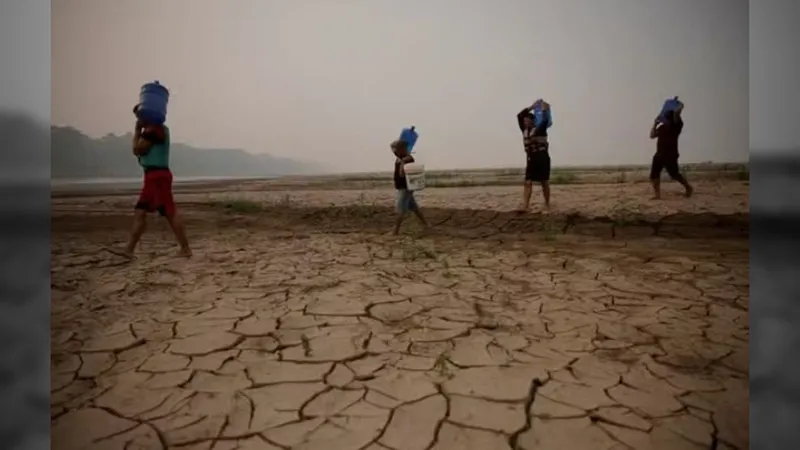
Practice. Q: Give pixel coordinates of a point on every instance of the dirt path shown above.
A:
(309, 329)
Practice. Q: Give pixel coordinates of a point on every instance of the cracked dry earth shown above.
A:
(273, 339)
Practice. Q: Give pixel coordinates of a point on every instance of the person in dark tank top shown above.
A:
(537, 153)
(405, 201)
(666, 133)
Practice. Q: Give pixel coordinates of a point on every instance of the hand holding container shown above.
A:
(415, 176)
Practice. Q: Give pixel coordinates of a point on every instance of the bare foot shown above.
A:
(523, 209)
(125, 253)
(689, 191)
(185, 253)
(655, 197)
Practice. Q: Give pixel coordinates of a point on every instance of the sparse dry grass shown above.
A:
(437, 179)
(414, 249)
(238, 206)
(559, 175)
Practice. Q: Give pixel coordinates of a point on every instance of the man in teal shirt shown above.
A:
(151, 147)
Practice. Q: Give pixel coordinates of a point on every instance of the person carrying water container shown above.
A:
(405, 198)
(151, 147)
(537, 151)
(667, 129)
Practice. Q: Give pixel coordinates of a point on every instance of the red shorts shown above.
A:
(156, 194)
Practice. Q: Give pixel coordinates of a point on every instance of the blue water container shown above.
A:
(153, 99)
(409, 136)
(539, 115)
(671, 104)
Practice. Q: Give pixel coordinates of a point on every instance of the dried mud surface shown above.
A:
(301, 325)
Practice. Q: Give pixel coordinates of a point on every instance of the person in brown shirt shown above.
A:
(666, 133)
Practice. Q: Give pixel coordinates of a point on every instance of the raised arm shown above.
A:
(138, 144)
(408, 159)
(396, 146)
(145, 137)
(521, 117)
(399, 147)
(655, 129)
(678, 115)
(678, 123)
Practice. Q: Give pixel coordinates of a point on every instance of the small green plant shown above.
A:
(625, 216)
(306, 344)
(446, 273)
(414, 250)
(362, 208)
(441, 366)
(743, 174)
(241, 206)
(363, 211)
(415, 229)
(285, 201)
(563, 178)
(549, 229)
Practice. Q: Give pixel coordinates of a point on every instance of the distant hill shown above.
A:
(75, 155)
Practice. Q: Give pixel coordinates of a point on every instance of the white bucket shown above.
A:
(415, 176)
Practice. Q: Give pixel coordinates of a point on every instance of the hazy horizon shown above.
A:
(334, 82)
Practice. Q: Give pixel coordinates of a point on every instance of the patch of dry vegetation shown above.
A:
(513, 176)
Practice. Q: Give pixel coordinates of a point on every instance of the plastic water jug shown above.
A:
(415, 176)
(671, 104)
(153, 99)
(409, 136)
(539, 115)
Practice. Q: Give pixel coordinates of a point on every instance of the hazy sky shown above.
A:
(335, 81)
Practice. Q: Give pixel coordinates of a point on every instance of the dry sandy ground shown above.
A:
(304, 326)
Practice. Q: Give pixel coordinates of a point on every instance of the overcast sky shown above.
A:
(334, 81)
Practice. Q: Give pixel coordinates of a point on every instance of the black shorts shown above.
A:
(537, 167)
(660, 163)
